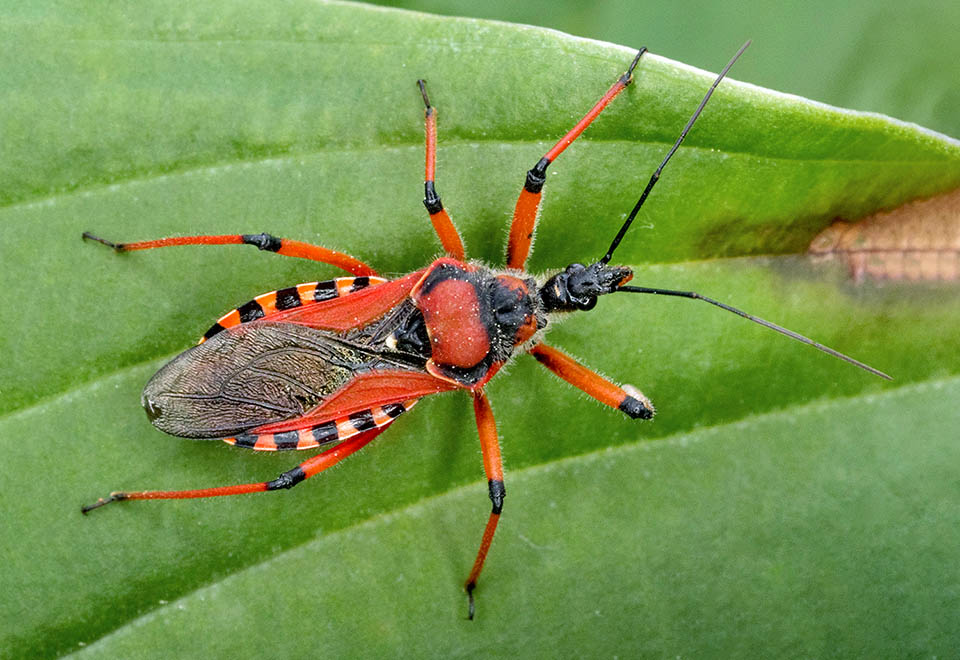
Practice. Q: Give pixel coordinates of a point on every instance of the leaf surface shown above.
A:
(303, 119)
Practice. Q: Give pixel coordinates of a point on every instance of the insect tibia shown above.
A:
(577, 286)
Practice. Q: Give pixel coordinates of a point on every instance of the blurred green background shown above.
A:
(843, 53)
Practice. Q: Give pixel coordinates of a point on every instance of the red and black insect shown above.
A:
(336, 362)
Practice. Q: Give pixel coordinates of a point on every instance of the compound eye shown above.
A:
(575, 268)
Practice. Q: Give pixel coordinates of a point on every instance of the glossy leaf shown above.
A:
(303, 119)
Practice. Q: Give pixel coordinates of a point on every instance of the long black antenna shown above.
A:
(757, 319)
(676, 145)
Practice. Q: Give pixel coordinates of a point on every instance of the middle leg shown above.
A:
(442, 223)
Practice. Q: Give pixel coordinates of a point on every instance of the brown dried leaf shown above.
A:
(917, 241)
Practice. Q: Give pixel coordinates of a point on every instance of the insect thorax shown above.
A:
(475, 317)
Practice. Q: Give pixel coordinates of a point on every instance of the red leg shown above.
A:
(487, 428)
(288, 479)
(528, 205)
(627, 399)
(282, 246)
(442, 224)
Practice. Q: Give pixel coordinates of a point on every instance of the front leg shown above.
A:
(627, 398)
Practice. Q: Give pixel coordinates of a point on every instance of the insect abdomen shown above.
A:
(267, 304)
(332, 431)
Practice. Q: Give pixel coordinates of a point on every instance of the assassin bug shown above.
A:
(336, 362)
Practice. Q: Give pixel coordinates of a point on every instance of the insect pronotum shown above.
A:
(332, 364)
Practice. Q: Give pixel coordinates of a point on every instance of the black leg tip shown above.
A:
(471, 609)
(87, 236)
(114, 497)
(637, 407)
(422, 84)
(627, 77)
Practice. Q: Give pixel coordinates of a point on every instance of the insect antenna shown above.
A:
(756, 319)
(676, 145)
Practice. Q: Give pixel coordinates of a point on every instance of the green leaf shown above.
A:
(303, 119)
(803, 531)
(887, 56)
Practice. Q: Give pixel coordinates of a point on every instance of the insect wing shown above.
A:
(256, 374)
(372, 395)
(355, 310)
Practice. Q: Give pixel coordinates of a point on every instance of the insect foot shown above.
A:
(637, 405)
(114, 497)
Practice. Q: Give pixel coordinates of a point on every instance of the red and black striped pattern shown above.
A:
(336, 430)
(270, 303)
